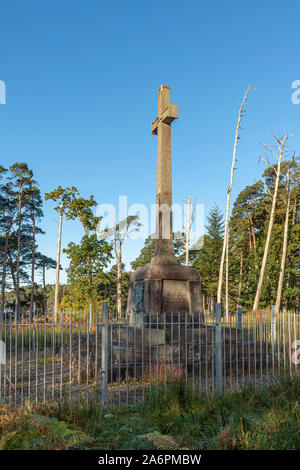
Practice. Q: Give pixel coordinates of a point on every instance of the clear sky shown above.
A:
(82, 80)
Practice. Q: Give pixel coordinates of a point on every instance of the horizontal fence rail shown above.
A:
(96, 357)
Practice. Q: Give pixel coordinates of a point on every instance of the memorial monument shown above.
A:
(164, 286)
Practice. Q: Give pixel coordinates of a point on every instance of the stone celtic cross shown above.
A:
(161, 127)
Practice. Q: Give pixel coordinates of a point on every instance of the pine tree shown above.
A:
(21, 178)
(63, 197)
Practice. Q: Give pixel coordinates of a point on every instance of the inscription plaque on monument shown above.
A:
(137, 303)
(175, 292)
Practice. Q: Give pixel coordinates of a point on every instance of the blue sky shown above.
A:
(82, 80)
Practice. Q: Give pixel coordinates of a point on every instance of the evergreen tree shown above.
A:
(207, 263)
(148, 249)
(63, 197)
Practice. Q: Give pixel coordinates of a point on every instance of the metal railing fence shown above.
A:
(94, 357)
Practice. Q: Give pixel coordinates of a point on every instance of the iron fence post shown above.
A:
(273, 327)
(219, 384)
(90, 318)
(104, 354)
(239, 314)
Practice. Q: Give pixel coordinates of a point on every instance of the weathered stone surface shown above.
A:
(152, 296)
(187, 353)
(175, 295)
(168, 272)
(195, 295)
(138, 336)
(167, 286)
(174, 351)
(204, 335)
(161, 127)
(158, 335)
(168, 296)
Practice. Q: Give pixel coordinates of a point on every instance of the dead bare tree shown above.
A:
(189, 223)
(118, 233)
(281, 142)
(284, 247)
(225, 242)
(227, 281)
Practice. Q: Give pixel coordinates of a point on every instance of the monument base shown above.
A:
(160, 290)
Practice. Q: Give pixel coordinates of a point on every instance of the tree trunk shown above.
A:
(226, 284)
(212, 306)
(11, 264)
(254, 241)
(4, 270)
(44, 290)
(219, 293)
(17, 309)
(284, 247)
(58, 265)
(190, 221)
(271, 223)
(187, 234)
(240, 279)
(32, 265)
(119, 281)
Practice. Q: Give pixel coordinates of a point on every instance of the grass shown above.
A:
(25, 337)
(257, 326)
(170, 419)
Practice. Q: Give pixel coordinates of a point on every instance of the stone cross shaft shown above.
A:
(161, 126)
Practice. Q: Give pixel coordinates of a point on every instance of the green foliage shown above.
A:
(88, 259)
(174, 417)
(82, 208)
(207, 263)
(247, 236)
(248, 231)
(107, 288)
(21, 211)
(145, 255)
(36, 432)
(63, 198)
(91, 279)
(147, 251)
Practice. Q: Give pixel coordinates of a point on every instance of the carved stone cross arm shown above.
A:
(167, 111)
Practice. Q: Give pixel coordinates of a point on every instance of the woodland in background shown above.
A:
(96, 271)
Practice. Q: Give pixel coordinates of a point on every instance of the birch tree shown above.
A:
(225, 243)
(280, 147)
